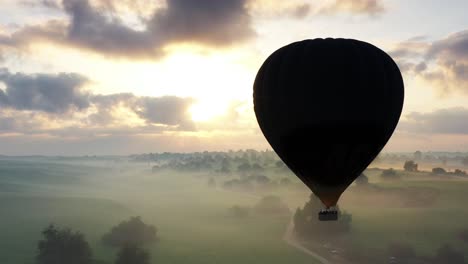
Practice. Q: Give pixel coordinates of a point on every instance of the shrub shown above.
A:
(131, 254)
(60, 246)
(131, 232)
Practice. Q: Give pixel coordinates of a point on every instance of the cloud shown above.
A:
(170, 110)
(443, 121)
(368, 7)
(443, 63)
(268, 9)
(209, 22)
(300, 9)
(58, 93)
(62, 97)
(53, 4)
(165, 110)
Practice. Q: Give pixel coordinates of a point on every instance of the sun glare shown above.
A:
(204, 111)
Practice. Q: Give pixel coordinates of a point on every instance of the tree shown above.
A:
(281, 165)
(211, 182)
(389, 174)
(463, 235)
(401, 252)
(447, 254)
(60, 246)
(307, 224)
(155, 168)
(285, 181)
(238, 211)
(362, 180)
(410, 166)
(225, 166)
(132, 254)
(439, 171)
(244, 167)
(271, 204)
(131, 232)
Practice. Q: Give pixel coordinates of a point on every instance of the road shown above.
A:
(292, 241)
(288, 236)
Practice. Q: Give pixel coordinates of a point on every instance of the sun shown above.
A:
(207, 110)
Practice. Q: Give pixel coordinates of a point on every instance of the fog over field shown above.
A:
(233, 207)
(138, 132)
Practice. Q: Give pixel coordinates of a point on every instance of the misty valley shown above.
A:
(241, 206)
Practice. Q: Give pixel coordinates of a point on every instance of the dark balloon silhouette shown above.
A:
(328, 107)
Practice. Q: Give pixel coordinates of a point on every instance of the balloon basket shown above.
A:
(328, 215)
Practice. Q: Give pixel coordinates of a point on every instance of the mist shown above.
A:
(241, 206)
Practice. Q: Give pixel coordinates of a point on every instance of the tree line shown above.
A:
(63, 245)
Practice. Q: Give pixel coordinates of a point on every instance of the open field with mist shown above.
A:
(192, 220)
(189, 206)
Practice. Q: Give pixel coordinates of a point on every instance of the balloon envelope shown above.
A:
(327, 107)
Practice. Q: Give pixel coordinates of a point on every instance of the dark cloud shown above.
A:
(455, 46)
(451, 55)
(207, 21)
(443, 62)
(369, 7)
(54, 4)
(444, 121)
(170, 110)
(52, 30)
(165, 110)
(211, 22)
(301, 11)
(57, 93)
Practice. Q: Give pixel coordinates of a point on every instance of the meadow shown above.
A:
(419, 209)
(192, 221)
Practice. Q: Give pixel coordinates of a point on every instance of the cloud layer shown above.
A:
(443, 63)
(49, 93)
(369, 7)
(442, 121)
(31, 101)
(210, 22)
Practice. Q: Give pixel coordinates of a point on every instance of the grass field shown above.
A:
(426, 227)
(192, 221)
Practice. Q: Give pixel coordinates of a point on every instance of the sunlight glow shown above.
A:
(207, 110)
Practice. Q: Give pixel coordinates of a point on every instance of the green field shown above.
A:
(192, 221)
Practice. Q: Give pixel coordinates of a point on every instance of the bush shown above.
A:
(60, 246)
(438, 171)
(211, 182)
(410, 166)
(238, 211)
(402, 252)
(447, 254)
(362, 180)
(389, 174)
(271, 205)
(463, 235)
(285, 182)
(307, 225)
(131, 254)
(131, 232)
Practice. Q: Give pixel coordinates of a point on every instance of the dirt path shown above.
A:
(291, 240)
(288, 236)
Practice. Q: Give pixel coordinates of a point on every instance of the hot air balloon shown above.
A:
(327, 107)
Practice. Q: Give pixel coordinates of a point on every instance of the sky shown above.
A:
(98, 77)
